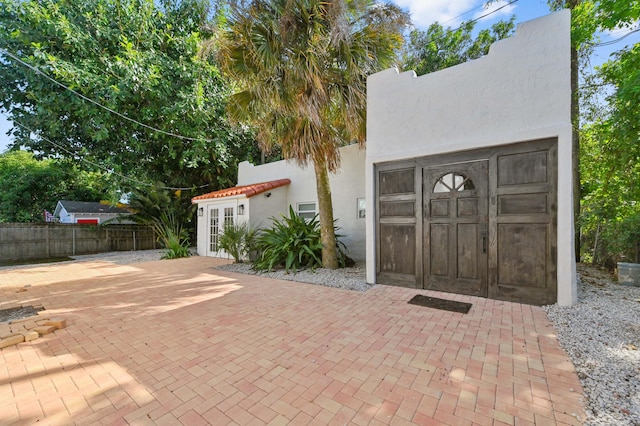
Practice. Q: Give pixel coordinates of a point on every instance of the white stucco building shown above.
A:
(466, 183)
(267, 190)
(502, 121)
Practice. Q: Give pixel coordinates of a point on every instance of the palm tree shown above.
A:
(302, 66)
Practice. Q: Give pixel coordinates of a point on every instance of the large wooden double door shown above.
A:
(481, 222)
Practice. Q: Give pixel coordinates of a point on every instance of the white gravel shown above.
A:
(124, 257)
(347, 278)
(601, 334)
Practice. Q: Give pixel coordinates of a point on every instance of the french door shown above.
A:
(219, 216)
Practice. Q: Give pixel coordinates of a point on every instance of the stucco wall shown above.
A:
(520, 91)
(347, 185)
(262, 207)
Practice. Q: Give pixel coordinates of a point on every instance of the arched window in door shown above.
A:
(452, 182)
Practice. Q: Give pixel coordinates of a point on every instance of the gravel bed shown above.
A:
(601, 334)
(117, 257)
(123, 257)
(353, 278)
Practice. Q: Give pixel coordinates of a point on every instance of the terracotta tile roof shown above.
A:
(247, 190)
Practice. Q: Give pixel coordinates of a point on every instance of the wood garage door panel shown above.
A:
(397, 209)
(467, 207)
(522, 252)
(397, 182)
(439, 208)
(519, 204)
(399, 252)
(468, 250)
(439, 241)
(523, 168)
(524, 223)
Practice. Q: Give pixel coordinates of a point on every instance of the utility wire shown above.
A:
(175, 135)
(75, 155)
(462, 14)
(490, 13)
(610, 42)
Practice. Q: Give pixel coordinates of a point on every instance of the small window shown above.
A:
(306, 210)
(362, 208)
(228, 216)
(453, 182)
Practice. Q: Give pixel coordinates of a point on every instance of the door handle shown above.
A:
(484, 242)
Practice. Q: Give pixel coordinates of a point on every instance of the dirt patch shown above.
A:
(12, 314)
(33, 261)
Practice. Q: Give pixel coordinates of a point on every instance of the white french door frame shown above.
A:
(218, 215)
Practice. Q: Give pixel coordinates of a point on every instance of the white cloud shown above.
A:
(446, 12)
(426, 12)
(505, 10)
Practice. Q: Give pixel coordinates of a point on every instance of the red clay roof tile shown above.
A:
(247, 190)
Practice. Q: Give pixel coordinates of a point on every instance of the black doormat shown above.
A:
(444, 304)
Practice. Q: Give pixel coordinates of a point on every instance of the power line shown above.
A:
(610, 42)
(485, 15)
(110, 171)
(493, 11)
(175, 135)
(462, 14)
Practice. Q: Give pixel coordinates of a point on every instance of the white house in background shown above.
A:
(88, 212)
(267, 190)
(466, 185)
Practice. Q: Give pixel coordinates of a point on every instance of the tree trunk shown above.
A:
(325, 207)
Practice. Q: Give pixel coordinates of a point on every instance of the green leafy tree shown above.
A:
(439, 47)
(29, 186)
(138, 58)
(605, 149)
(587, 18)
(301, 66)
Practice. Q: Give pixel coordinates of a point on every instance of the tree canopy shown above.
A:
(438, 47)
(301, 66)
(610, 157)
(162, 114)
(29, 186)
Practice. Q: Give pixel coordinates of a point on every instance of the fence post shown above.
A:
(73, 238)
(134, 240)
(48, 242)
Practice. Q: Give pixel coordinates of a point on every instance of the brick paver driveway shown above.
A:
(177, 342)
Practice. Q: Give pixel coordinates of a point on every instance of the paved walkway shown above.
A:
(177, 342)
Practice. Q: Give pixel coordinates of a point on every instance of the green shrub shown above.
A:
(172, 235)
(293, 243)
(175, 247)
(239, 240)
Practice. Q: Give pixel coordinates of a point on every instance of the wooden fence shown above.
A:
(49, 240)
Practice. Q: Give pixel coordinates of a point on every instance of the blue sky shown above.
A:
(447, 12)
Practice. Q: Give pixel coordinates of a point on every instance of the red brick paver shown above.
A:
(177, 342)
